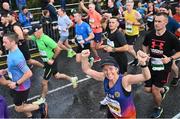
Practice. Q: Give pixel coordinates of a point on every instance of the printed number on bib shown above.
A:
(43, 56)
(128, 28)
(114, 107)
(157, 64)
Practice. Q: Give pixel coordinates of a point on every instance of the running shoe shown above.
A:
(104, 101)
(91, 61)
(157, 111)
(43, 110)
(134, 62)
(97, 59)
(174, 82)
(39, 101)
(166, 89)
(74, 81)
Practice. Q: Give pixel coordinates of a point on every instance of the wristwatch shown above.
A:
(17, 84)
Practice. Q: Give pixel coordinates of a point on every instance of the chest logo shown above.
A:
(117, 94)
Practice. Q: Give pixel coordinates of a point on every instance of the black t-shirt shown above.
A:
(113, 11)
(119, 40)
(161, 45)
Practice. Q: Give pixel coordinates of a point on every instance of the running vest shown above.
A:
(120, 102)
(131, 30)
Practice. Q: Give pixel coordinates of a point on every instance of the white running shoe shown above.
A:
(39, 101)
(74, 81)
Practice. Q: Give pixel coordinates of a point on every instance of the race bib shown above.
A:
(110, 43)
(150, 18)
(128, 28)
(157, 64)
(79, 39)
(114, 106)
(43, 56)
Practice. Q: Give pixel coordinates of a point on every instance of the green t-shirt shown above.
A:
(46, 46)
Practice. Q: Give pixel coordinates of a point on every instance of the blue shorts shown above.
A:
(63, 38)
(97, 37)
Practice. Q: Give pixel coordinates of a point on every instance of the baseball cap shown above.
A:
(35, 28)
(109, 61)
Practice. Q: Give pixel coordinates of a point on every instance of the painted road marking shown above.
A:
(54, 90)
(177, 116)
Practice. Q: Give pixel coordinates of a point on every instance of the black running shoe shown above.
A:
(174, 82)
(157, 111)
(43, 110)
(166, 89)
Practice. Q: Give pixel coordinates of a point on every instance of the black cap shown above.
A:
(35, 28)
(109, 61)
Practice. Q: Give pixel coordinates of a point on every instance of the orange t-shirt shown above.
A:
(95, 21)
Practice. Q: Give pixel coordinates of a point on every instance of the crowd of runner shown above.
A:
(114, 30)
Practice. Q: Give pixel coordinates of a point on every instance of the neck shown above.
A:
(79, 22)
(160, 32)
(13, 48)
(112, 31)
(114, 80)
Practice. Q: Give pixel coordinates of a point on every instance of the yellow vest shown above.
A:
(131, 30)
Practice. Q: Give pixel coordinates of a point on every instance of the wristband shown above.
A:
(143, 66)
(17, 84)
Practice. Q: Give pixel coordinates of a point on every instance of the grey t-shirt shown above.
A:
(63, 23)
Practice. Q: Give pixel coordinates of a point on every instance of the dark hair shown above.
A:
(114, 17)
(162, 14)
(166, 6)
(62, 9)
(12, 36)
(24, 7)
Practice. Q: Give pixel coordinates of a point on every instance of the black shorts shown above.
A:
(158, 78)
(50, 70)
(24, 49)
(131, 39)
(97, 37)
(19, 97)
(80, 49)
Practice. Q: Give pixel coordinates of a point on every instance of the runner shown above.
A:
(132, 20)
(22, 43)
(64, 23)
(117, 87)
(83, 36)
(20, 75)
(160, 43)
(95, 23)
(49, 51)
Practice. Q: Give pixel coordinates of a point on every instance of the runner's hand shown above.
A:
(166, 59)
(12, 85)
(108, 49)
(85, 53)
(50, 62)
(142, 57)
(3, 71)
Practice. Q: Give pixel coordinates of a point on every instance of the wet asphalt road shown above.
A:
(83, 102)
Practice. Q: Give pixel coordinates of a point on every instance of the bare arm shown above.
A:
(90, 37)
(145, 75)
(86, 67)
(145, 49)
(83, 7)
(123, 48)
(4, 82)
(19, 32)
(26, 76)
(57, 50)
